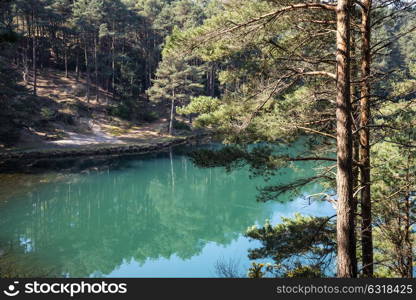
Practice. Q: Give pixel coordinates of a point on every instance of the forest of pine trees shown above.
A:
(339, 74)
(334, 77)
(112, 45)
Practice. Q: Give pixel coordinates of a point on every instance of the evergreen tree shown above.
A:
(176, 81)
(273, 63)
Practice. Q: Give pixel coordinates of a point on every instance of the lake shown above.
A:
(154, 215)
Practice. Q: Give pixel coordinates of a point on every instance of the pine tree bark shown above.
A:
(26, 52)
(66, 62)
(172, 113)
(97, 89)
(35, 75)
(212, 83)
(364, 133)
(77, 64)
(87, 70)
(408, 240)
(34, 54)
(113, 68)
(355, 94)
(346, 253)
(113, 63)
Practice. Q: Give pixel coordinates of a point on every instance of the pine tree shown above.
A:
(177, 80)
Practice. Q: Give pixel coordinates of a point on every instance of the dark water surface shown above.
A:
(136, 216)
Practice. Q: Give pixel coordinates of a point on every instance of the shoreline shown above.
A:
(98, 149)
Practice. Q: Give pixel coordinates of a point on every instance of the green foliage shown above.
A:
(256, 106)
(8, 39)
(181, 126)
(182, 14)
(121, 111)
(46, 113)
(304, 272)
(149, 116)
(132, 110)
(115, 45)
(297, 245)
(261, 159)
(259, 270)
(200, 105)
(393, 181)
(265, 99)
(176, 79)
(88, 14)
(164, 47)
(256, 271)
(204, 106)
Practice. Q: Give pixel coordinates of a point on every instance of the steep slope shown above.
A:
(61, 115)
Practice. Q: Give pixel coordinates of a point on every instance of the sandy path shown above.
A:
(96, 137)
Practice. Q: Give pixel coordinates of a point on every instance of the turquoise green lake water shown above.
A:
(137, 216)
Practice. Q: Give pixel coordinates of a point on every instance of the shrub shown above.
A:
(149, 116)
(181, 126)
(121, 111)
(46, 113)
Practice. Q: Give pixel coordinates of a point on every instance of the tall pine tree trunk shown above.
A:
(212, 83)
(113, 68)
(97, 89)
(34, 53)
(113, 63)
(77, 63)
(366, 226)
(346, 256)
(87, 70)
(26, 53)
(66, 62)
(34, 66)
(408, 241)
(355, 94)
(172, 113)
(408, 234)
(65, 55)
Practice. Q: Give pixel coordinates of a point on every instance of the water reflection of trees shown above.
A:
(92, 223)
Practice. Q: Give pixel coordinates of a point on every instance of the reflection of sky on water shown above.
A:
(149, 216)
(213, 252)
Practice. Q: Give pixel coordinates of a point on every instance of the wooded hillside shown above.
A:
(259, 74)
